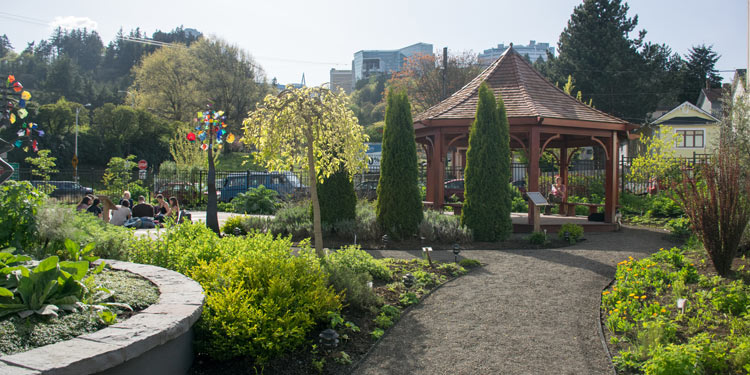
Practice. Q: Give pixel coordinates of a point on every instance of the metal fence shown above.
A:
(585, 178)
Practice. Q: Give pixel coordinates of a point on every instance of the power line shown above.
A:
(19, 18)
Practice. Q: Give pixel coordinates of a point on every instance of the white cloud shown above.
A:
(73, 22)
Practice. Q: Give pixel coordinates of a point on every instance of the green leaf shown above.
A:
(73, 248)
(108, 317)
(76, 269)
(48, 310)
(99, 269)
(5, 293)
(46, 265)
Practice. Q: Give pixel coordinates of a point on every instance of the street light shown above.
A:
(75, 157)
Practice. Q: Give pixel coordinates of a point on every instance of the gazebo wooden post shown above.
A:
(533, 169)
(610, 200)
(564, 173)
(437, 170)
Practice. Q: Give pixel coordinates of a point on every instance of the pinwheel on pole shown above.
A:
(211, 132)
(14, 114)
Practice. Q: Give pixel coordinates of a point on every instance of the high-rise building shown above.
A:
(534, 50)
(368, 62)
(342, 79)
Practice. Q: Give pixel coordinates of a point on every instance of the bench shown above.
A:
(428, 205)
(456, 207)
(570, 207)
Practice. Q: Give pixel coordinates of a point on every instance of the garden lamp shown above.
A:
(237, 231)
(567, 236)
(329, 339)
(456, 251)
(385, 239)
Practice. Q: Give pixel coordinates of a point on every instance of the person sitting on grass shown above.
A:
(84, 204)
(143, 209)
(174, 209)
(162, 209)
(121, 214)
(95, 209)
(126, 197)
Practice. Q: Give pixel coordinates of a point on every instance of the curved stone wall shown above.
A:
(157, 340)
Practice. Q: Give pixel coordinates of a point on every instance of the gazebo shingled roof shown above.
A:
(525, 93)
(540, 116)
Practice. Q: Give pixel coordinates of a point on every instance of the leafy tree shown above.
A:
(421, 77)
(658, 162)
(367, 99)
(119, 174)
(700, 67)
(312, 128)
(184, 153)
(42, 166)
(399, 206)
(487, 197)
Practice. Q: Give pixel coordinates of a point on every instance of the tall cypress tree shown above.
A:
(399, 207)
(505, 224)
(338, 201)
(486, 177)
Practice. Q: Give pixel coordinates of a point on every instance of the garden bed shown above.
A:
(312, 359)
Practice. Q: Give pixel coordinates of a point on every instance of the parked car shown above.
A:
(64, 189)
(454, 187)
(286, 184)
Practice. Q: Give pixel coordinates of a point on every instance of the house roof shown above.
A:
(525, 92)
(685, 113)
(712, 95)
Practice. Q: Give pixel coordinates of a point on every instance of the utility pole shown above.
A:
(445, 70)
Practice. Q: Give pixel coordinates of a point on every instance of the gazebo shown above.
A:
(540, 115)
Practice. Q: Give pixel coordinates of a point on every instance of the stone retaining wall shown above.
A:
(158, 340)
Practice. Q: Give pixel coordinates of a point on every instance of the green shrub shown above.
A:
(664, 206)
(293, 219)
(674, 360)
(367, 227)
(631, 204)
(337, 198)
(739, 355)
(383, 321)
(19, 203)
(391, 311)
(263, 303)
(408, 299)
(574, 231)
(399, 207)
(353, 285)
(443, 228)
(680, 228)
(452, 269)
(360, 261)
(257, 200)
(537, 238)
(469, 263)
(487, 201)
(136, 190)
(234, 222)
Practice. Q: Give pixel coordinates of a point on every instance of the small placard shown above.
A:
(142, 174)
(537, 198)
(426, 249)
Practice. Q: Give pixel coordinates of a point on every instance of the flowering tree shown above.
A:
(312, 128)
(659, 161)
(211, 133)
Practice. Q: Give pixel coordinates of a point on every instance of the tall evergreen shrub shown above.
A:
(338, 201)
(399, 207)
(486, 208)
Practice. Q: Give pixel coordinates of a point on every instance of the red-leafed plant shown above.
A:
(716, 198)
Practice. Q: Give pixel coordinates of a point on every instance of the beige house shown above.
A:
(697, 129)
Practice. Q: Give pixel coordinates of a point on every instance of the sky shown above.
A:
(292, 37)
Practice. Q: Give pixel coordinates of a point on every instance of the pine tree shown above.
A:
(399, 207)
(338, 201)
(486, 208)
(700, 66)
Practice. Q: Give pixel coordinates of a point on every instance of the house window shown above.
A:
(690, 138)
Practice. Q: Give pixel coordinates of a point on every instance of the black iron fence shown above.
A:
(585, 178)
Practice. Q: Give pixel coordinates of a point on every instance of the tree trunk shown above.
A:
(212, 216)
(317, 228)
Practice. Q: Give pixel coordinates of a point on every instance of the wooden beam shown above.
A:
(533, 168)
(610, 190)
(606, 152)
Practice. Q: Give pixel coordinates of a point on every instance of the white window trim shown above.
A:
(705, 138)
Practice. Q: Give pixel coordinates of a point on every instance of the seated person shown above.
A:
(556, 195)
(126, 197)
(174, 209)
(162, 208)
(95, 209)
(121, 214)
(84, 204)
(143, 209)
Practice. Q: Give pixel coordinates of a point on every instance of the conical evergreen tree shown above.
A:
(486, 208)
(338, 201)
(399, 207)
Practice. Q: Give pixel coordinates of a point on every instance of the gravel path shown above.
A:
(524, 312)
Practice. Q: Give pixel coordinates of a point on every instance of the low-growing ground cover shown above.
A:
(672, 314)
(21, 334)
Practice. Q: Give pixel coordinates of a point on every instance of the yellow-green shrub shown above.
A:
(262, 302)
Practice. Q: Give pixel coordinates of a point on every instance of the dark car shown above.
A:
(286, 184)
(520, 185)
(65, 189)
(454, 187)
